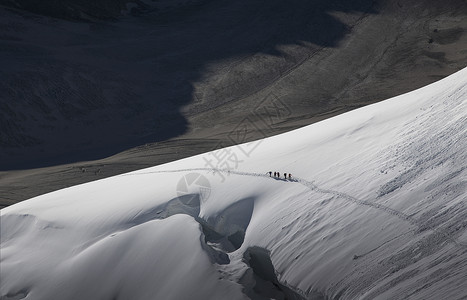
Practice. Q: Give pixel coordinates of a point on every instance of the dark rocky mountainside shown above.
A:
(71, 9)
(87, 10)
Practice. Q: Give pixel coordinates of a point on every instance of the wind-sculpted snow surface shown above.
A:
(375, 209)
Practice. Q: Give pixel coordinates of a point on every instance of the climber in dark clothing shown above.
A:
(285, 175)
(270, 173)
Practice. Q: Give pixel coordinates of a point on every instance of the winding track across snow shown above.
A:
(315, 188)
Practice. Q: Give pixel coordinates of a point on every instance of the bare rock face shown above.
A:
(71, 9)
(169, 79)
(88, 10)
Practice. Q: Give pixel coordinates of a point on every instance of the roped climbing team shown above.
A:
(278, 175)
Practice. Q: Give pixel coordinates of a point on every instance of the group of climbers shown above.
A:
(278, 175)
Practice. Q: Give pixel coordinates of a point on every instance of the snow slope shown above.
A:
(376, 209)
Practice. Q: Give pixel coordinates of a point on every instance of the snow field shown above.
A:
(375, 210)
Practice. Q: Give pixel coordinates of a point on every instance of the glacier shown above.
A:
(375, 209)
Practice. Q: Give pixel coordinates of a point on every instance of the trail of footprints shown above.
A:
(315, 188)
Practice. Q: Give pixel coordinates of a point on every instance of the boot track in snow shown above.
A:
(315, 188)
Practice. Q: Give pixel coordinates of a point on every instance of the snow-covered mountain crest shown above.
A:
(375, 209)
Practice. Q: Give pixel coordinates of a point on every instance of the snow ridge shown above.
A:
(384, 217)
(315, 188)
